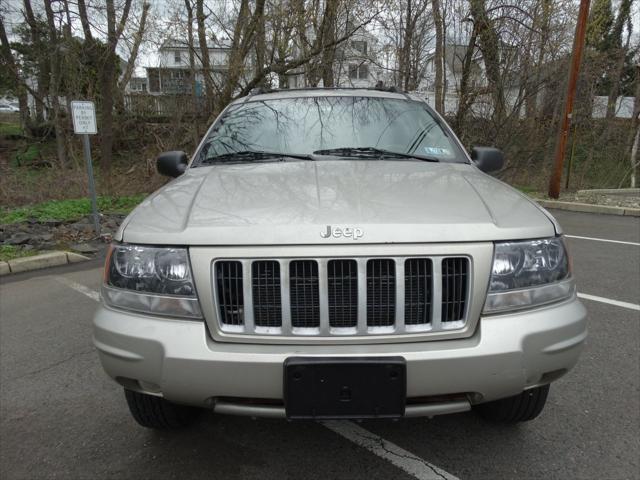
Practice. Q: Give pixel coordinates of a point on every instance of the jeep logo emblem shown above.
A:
(345, 232)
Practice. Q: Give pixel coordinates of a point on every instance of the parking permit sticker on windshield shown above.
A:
(436, 151)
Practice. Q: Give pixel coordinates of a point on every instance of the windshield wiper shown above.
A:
(372, 152)
(255, 156)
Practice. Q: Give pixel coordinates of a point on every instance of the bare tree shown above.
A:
(438, 58)
(54, 84)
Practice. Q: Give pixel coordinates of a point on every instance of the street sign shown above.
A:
(84, 123)
(84, 117)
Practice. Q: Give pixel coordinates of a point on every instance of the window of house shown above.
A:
(360, 46)
(358, 71)
(176, 56)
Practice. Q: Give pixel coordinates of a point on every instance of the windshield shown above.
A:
(304, 125)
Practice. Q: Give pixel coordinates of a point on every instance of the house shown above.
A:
(454, 58)
(354, 65)
(136, 85)
(173, 73)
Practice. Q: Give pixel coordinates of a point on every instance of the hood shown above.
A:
(295, 202)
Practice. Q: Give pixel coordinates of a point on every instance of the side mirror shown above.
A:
(487, 159)
(172, 164)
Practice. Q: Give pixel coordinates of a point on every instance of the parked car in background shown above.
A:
(9, 108)
(336, 253)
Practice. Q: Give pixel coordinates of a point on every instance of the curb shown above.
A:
(589, 208)
(44, 260)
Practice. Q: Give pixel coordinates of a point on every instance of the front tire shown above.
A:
(157, 413)
(519, 408)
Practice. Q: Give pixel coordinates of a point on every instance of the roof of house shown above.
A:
(175, 43)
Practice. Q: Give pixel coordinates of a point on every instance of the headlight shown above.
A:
(152, 280)
(527, 274)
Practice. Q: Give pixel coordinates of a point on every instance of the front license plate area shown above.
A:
(326, 388)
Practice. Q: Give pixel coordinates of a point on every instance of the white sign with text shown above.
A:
(84, 117)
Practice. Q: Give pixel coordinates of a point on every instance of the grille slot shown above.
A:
(304, 293)
(267, 301)
(230, 292)
(418, 274)
(454, 288)
(381, 292)
(342, 285)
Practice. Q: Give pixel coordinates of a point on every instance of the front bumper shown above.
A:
(178, 360)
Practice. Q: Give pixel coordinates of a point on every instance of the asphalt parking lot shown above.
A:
(61, 417)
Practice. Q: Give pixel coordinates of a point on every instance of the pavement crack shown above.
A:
(53, 365)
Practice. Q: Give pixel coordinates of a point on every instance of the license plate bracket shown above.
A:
(338, 388)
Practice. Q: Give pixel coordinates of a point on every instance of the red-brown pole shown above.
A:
(565, 124)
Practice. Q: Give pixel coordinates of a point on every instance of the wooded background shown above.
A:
(55, 51)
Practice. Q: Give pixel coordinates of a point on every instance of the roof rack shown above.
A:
(378, 87)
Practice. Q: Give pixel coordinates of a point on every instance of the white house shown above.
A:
(173, 73)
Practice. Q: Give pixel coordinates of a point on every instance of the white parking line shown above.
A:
(594, 239)
(407, 461)
(92, 294)
(617, 303)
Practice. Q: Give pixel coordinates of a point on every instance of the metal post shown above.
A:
(563, 132)
(92, 186)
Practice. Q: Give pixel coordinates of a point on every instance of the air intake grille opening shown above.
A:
(417, 294)
(342, 286)
(230, 296)
(381, 292)
(454, 288)
(265, 282)
(304, 293)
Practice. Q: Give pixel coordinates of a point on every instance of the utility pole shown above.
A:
(565, 124)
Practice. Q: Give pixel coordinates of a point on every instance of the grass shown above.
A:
(31, 154)
(10, 129)
(71, 209)
(9, 252)
(526, 189)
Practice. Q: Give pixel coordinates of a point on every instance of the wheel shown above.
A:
(156, 412)
(519, 408)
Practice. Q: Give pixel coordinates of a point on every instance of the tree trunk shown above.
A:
(43, 69)
(61, 148)
(464, 96)
(137, 40)
(490, 47)
(204, 54)
(328, 33)
(616, 35)
(192, 69)
(108, 82)
(439, 56)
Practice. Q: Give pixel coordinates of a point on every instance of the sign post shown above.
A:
(84, 124)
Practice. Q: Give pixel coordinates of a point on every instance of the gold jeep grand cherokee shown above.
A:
(336, 254)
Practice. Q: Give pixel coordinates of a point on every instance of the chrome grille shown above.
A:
(342, 286)
(265, 282)
(343, 296)
(381, 292)
(230, 292)
(304, 293)
(417, 291)
(454, 289)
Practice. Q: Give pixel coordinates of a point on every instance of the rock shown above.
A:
(84, 248)
(51, 222)
(84, 228)
(43, 237)
(18, 238)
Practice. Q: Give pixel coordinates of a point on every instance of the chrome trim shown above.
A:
(480, 257)
(269, 411)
